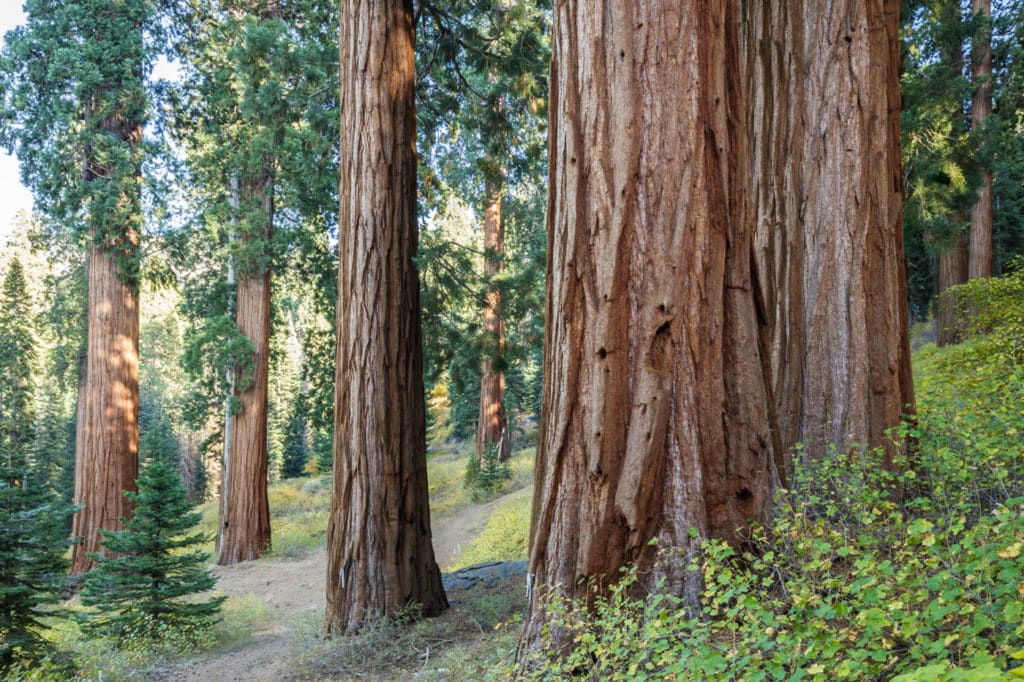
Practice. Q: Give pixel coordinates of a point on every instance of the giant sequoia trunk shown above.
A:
(244, 509)
(825, 105)
(107, 426)
(654, 422)
(379, 553)
(107, 435)
(492, 425)
(245, 512)
(981, 107)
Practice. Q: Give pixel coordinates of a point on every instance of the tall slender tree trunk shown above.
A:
(952, 272)
(953, 264)
(654, 420)
(229, 417)
(245, 512)
(981, 107)
(492, 424)
(824, 84)
(107, 436)
(379, 553)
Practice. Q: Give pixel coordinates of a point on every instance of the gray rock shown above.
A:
(488, 574)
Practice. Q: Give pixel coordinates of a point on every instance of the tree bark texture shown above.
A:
(379, 553)
(981, 106)
(245, 511)
(952, 271)
(492, 424)
(107, 426)
(823, 79)
(107, 434)
(654, 420)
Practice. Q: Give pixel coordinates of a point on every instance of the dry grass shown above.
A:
(474, 640)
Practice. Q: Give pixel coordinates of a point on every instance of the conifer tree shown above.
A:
(261, 81)
(296, 447)
(73, 106)
(481, 112)
(145, 586)
(32, 565)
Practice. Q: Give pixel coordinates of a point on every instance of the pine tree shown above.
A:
(32, 565)
(145, 583)
(296, 447)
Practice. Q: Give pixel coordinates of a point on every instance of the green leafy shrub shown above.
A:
(845, 584)
(862, 573)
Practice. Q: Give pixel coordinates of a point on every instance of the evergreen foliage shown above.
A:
(146, 582)
(258, 98)
(73, 76)
(942, 156)
(296, 450)
(32, 519)
(17, 348)
(483, 69)
(940, 153)
(1006, 132)
(486, 475)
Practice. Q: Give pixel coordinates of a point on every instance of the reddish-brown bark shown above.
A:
(825, 105)
(244, 520)
(107, 437)
(981, 106)
(952, 271)
(244, 509)
(492, 425)
(379, 553)
(107, 428)
(654, 420)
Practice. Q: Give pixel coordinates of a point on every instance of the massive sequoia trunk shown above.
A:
(379, 553)
(107, 427)
(981, 107)
(654, 421)
(825, 105)
(244, 510)
(107, 435)
(492, 425)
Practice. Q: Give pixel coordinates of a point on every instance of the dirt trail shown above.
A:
(452, 532)
(292, 587)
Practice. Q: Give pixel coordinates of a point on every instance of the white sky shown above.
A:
(14, 196)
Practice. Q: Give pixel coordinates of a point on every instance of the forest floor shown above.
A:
(287, 597)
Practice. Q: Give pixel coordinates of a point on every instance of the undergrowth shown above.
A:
(505, 536)
(126, 658)
(863, 574)
(446, 473)
(474, 640)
